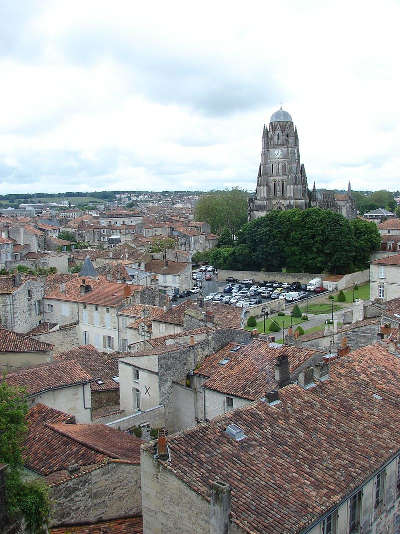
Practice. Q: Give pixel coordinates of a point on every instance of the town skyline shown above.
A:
(99, 98)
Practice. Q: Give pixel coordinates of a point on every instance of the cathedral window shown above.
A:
(284, 168)
(272, 169)
(277, 137)
(274, 189)
(283, 185)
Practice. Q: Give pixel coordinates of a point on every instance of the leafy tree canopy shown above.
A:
(223, 210)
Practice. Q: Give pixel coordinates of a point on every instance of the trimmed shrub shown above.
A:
(341, 297)
(281, 314)
(304, 317)
(299, 330)
(251, 321)
(296, 312)
(274, 327)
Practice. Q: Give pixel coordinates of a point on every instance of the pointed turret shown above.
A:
(88, 271)
(349, 189)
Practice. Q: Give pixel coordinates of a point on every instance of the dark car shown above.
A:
(174, 298)
(231, 280)
(228, 289)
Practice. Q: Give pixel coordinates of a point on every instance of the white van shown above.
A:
(313, 284)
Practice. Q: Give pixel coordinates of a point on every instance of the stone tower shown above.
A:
(282, 180)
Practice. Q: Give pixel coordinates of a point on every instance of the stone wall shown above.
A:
(21, 310)
(171, 506)
(349, 280)
(105, 493)
(259, 276)
(100, 399)
(155, 417)
(356, 338)
(62, 339)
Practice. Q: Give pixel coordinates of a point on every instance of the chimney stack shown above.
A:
(344, 348)
(220, 507)
(162, 449)
(272, 396)
(321, 370)
(282, 374)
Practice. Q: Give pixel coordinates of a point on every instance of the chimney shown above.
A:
(272, 397)
(321, 370)
(282, 374)
(191, 340)
(220, 508)
(344, 348)
(127, 291)
(162, 449)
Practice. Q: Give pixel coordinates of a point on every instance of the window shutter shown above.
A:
(112, 342)
(104, 342)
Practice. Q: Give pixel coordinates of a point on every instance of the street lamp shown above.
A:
(332, 311)
(265, 312)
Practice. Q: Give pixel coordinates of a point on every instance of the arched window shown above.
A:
(283, 168)
(272, 169)
(283, 185)
(277, 137)
(274, 189)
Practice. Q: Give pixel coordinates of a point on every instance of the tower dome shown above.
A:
(281, 116)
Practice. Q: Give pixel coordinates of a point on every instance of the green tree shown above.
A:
(223, 209)
(300, 330)
(341, 297)
(29, 499)
(366, 240)
(162, 244)
(67, 236)
(397, 212)
(274, 327)
(225, 239)
(251, 321)
(296, 312)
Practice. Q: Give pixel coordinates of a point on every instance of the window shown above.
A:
(96, 307)
(107, 310)
(381, 271)
(229, 402)
(136, 374)
(379, 488)
(136, 399)
(272, 169)
(49, 307)
(84, 306)
(329, 523)
(355, 509)
(124, 345)
(29, 294)
(85, 338)
(108, 342)
(283, 187)
(274, 189)
(381, 291)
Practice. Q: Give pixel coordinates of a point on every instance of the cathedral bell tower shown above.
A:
(282, 180)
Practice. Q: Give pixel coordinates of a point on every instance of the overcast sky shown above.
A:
(101, 94)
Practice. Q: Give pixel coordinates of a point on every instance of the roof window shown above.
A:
(235, 432)
(235, 349)
(224, 361)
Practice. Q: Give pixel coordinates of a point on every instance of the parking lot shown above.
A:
(246, 292)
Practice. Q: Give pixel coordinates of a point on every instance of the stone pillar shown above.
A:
(220, 508)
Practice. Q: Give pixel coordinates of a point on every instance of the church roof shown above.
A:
(88, 269)
(281, 116)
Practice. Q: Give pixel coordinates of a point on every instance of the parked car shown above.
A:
(234, 300)
(208, 276)
(254, 301)
(242, 304)
(210, 269)
(226, 299)
(195, 290)
(218, 297)
(228, 289)
(248, 282)
(320, 290)
(231, 280)
(210, 296)
(203, 268)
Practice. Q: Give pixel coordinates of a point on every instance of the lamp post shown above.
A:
(265, 313)
(332, 311)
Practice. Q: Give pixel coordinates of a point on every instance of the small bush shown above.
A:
(296, 312)
(251, 321)
(304, 317)
(154, 433)
(281, 314)
(274, 327)
(341, 297)
(299, 330)
(137, 431)
(331, 297)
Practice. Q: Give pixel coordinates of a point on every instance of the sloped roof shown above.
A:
(51, 376)
(389, 260)
(13, 342)
(303, 456)
(87, 269)
(390, 224)
(127, 525)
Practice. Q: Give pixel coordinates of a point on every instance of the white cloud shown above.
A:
(174, 95)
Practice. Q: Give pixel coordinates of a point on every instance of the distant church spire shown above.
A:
(349, 189)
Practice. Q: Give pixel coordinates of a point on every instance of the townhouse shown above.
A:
(312, 459)
(385, 278)
(20, 350)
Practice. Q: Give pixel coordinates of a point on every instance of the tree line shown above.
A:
(312, 240)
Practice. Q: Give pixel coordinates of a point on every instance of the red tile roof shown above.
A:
(67, 287)
(303, 456)
(127, 525)
(250, 371)
(46, 377)
(159, 267)
(390, 260)
(14, 342)
(108, 294)
(54, 443)
(101, 366)
(176, 313)
(390, 224)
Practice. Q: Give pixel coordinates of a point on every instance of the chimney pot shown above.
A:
(282, 374)
(162, 449)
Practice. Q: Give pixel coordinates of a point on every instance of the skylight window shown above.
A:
(99, 381)
(224, 361)
(116, 379)
(235, 432)
(235, 349)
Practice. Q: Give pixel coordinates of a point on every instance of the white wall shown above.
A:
(147, 384)
(390, 281)
(215, 403)
(75, 400)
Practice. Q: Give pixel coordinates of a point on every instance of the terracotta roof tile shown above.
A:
(159, 267)
(14, 342)
(51, 376)
(390, 260)
(304, 455)
(390, 224)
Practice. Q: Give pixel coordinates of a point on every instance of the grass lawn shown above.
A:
(320, 308)
(280, 319)
(361, 293)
